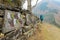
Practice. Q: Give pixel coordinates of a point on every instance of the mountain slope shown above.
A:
(48, 32)
(48, 9)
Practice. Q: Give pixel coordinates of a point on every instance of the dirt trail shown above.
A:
(48, 32)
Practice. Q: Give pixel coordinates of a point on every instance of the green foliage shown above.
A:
(10, 2)
(16, 2)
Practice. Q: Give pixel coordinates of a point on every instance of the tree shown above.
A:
(29, 5)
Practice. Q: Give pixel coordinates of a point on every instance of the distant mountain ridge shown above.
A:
(48, 9)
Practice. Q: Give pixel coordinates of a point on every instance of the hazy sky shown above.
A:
(33, 3)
